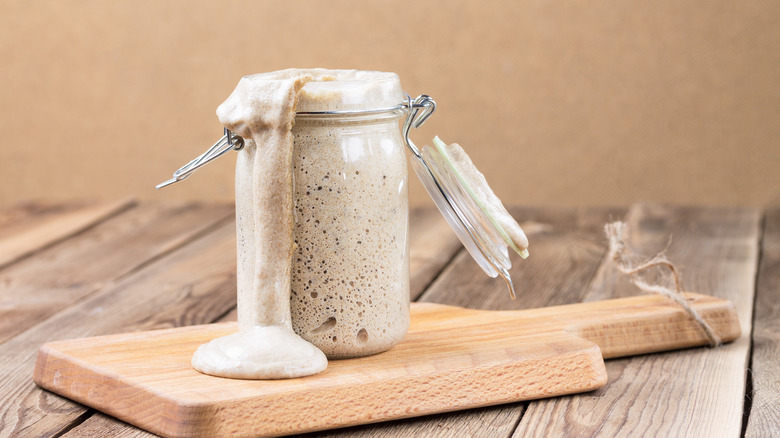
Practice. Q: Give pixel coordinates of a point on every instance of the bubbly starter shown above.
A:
(321, 216)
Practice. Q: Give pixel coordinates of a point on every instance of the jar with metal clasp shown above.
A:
(350, 265)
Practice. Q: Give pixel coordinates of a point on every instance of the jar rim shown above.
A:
(396, 110)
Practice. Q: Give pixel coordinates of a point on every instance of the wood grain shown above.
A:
(31, 226)
(33, 289)
(689, 393)
(565, 249)
(452, 359)
(193, 285)
(432, 244)
(469, 423)
(764, 419)
(100, 425)
(490, 421)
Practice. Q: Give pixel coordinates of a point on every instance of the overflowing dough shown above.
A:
(321, 214)
(262, 110)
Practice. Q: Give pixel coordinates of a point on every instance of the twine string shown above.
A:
(617, 233)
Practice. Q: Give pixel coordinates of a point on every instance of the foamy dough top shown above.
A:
(330, 90)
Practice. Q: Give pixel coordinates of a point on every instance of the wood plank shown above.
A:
(764, 414)
(31, 226)
(451, 359)
(566, 247)
(432, 244)
(492, 421)
(466, 423)
(193, 285)
(33, 289)
(100, 425)
(689, 393)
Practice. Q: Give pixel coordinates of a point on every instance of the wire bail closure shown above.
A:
(229, 141)
(453, 205)
(417, 112)
(420, 109)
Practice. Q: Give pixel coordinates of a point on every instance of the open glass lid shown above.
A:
(463, 197)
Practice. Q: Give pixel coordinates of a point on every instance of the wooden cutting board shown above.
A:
(452, 359)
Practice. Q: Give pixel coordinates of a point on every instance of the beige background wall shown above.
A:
(558, 102)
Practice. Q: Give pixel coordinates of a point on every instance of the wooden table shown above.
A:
(80, 269)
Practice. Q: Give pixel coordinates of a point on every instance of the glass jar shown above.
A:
(322, 217)
(350, 265)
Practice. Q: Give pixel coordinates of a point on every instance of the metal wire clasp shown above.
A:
(419, 110)
(228, 142)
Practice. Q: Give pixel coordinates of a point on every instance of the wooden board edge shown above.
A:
(54, 370)
(611, 324)
(586, 365)
(205, 420)
(671, 330)
(370, 402)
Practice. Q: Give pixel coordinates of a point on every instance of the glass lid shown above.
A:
(473, 220)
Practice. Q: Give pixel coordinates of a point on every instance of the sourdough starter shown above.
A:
(350, 278)
(321, 216)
